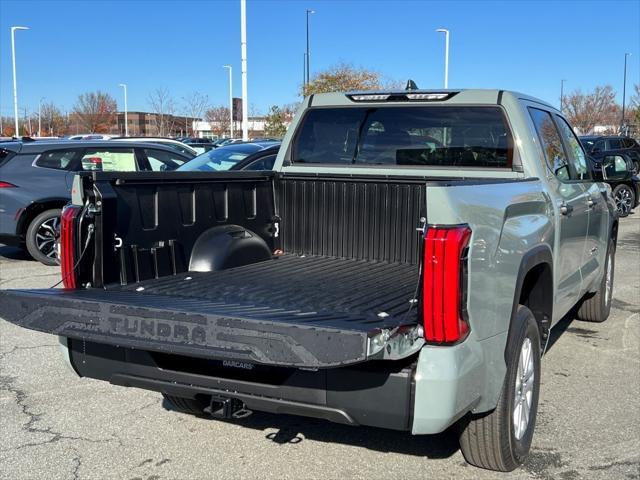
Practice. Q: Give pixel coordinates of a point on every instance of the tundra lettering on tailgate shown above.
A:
(158, 329)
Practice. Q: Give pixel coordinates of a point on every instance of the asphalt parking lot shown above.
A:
(55, 425)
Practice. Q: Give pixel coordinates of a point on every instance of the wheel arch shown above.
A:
(534, 289)
(35, 208)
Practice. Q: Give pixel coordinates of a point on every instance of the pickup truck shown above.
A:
(401, 267)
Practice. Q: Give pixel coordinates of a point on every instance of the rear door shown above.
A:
(597, 235)
(570, 199)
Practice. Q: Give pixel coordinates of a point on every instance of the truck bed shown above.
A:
(297, 310)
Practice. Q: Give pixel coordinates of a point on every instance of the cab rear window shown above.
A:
(433, 136)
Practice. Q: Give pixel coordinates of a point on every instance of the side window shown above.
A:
(161, 161)
(58, 159)
(265, 163)
(109, 160)
(615, 144)
(599, 146)
(628, 143)
(551, 144)
(576, 154)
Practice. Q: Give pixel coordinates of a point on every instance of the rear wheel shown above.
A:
(41, 236)
(186, 405)
(500, 440)
(596, 306)
(625, 199)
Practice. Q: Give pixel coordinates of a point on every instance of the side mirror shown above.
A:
(614, 167)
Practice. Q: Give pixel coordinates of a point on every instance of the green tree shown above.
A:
(275, 122)
(345, 77)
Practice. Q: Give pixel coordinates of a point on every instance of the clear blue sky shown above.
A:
(74, 47)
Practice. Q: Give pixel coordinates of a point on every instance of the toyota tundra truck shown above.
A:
(400, 267)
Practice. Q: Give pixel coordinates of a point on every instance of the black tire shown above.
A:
(595, 307)
(489, 440)
(625, 199)
(185, 405)
(41, 237)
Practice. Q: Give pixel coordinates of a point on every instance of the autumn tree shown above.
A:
(53, 122)
(585, 111)
(96, 111)
(275, 122)
(163, 106)
(195, 105)
(634, 104)
(218, 118)
(345, 77)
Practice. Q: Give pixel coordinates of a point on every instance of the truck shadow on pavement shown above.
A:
(293, 430)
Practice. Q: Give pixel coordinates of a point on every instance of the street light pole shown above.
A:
(15, 85)
(562, 95)
(624, 90)
(126, 113)
(308, 52)
(243, 52)
(230, 99)
(40, 117)
(446, 55)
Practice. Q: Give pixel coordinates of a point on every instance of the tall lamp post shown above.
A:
(624, 90)
(230, 99)
(15, 85)
(40, 117)
(309, 12)
(126, 113)
(562, 95)
(243, 58)
(446, 55)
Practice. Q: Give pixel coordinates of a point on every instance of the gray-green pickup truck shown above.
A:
(401, 267)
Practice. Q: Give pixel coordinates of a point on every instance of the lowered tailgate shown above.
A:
(220, 315)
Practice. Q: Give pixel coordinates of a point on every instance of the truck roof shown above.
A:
(422, 96)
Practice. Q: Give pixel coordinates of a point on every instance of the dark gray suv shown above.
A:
(36, 177)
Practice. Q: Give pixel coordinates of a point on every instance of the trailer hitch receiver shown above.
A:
(226, 407)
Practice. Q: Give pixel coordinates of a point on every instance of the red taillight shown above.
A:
(68, 246)
(443, 284)
(7, 185)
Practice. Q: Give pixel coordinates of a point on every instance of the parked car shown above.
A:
(618, 171)
(169, 142)
(37, 177)
(225, 158)
(261, 160)
(600, 146)
(401, 267)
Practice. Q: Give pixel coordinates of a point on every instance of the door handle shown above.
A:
(565, 209)
(591, 202)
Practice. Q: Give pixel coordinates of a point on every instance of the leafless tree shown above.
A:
(195, 105)
(163, 106)
(218, 118)
(96, 111)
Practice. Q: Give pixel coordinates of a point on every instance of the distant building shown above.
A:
(152, 124)
(212, 129)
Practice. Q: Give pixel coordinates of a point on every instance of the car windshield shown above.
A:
(220, 159)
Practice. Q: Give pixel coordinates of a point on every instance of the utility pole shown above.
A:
(446, 55)
(243, 51)
(562, 95)
(230, 99)
(624, 90)
(40, 117)
(15, 83)
(126, 113)
(309, 12)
